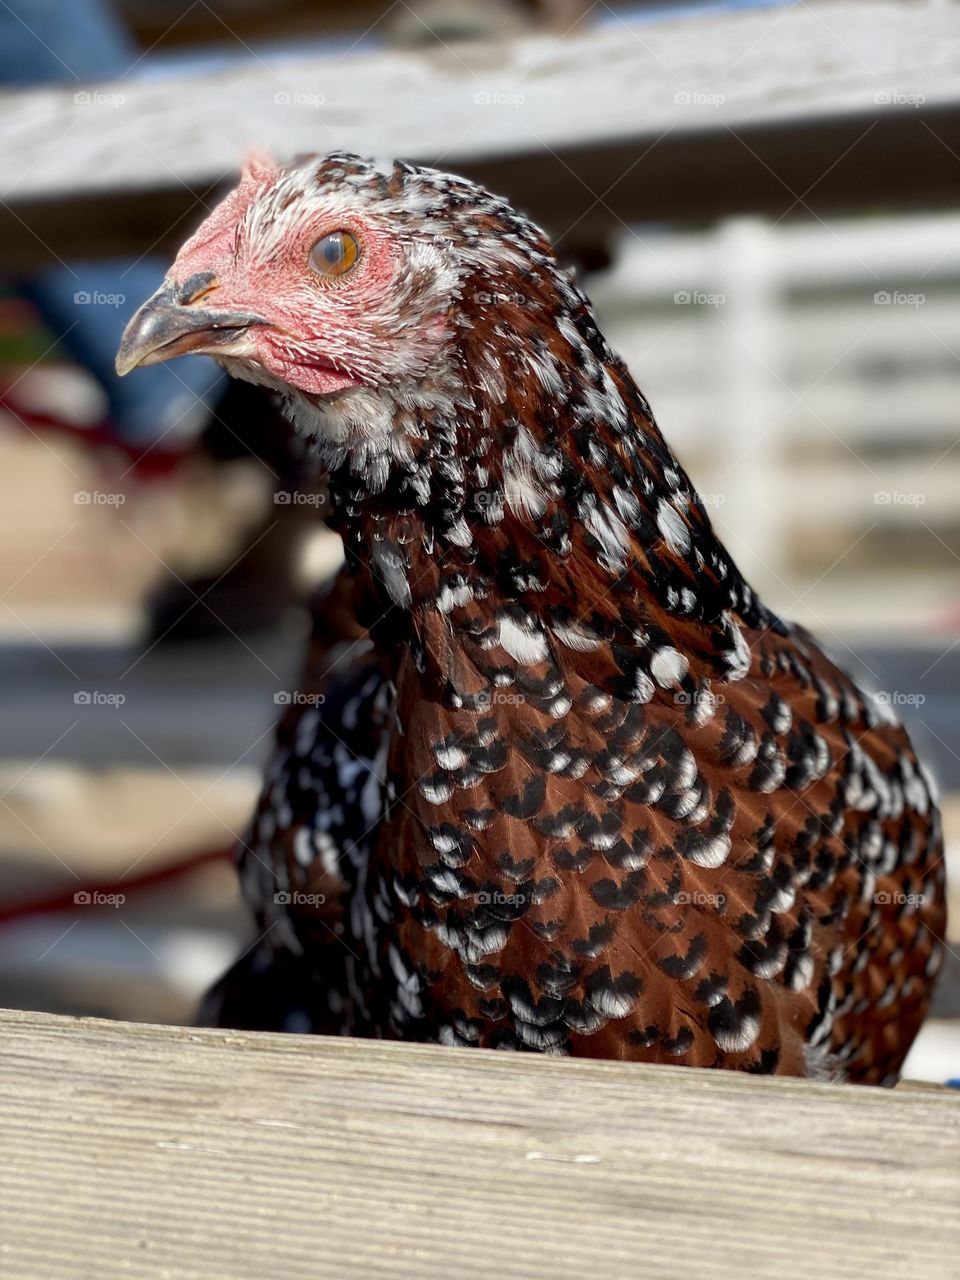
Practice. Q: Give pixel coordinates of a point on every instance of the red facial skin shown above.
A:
(312, 325)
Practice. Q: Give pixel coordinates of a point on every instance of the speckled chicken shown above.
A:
(566, 785)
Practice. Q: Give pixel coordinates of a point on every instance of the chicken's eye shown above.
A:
(335, 254)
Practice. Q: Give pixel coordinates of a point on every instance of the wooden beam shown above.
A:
(171, 24)
(785, 110)
(157, 1151)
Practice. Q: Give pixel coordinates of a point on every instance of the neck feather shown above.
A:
(528, 482)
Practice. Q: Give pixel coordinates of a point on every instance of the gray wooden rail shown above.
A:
(824, 105)
(170, 1153)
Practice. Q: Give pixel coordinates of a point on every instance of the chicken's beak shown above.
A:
(172, 323)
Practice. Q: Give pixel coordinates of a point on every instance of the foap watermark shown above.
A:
(497, 898)
(899, 698)
(898, 498)
(498, 98)
(698, 899)
(499, 698)
(897, 298)
(694, 697)
(94, 898)
(97, 498)
(298, 698)
(99, 98)
(899, 98)
(97, 298)
(713, 499)
(698, 98)
(297, 98)
(296, 498)
(98, 698)
(506, 297)
(297, 898)
(698, 298)
(487, 498)
(896, 898)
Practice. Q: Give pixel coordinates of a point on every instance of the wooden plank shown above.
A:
(825, 105)
(157, 1152)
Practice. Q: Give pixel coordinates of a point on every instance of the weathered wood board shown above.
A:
(822, 106)
(161, 1152)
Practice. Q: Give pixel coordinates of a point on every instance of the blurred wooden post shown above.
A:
(752, 396)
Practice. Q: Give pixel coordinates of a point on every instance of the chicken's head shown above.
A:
(334, 276)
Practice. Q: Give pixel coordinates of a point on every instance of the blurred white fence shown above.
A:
(809, 377)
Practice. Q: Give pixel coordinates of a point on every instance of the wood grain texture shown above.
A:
(827, 105)
(175, 1153)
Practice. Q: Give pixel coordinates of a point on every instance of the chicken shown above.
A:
(570, 787)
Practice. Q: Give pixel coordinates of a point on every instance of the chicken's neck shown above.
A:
(542, 498)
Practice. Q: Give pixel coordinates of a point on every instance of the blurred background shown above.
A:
(763, 200)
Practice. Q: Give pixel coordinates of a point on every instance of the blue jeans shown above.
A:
(87, 304)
